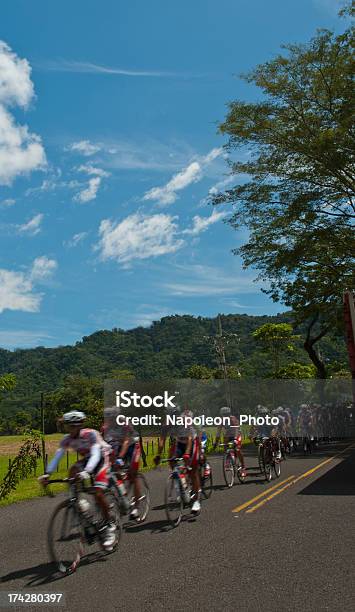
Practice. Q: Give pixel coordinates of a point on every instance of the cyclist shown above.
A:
(265, 431)
(184, 442)
(232, 434)
(305, 425)
(94, 463)
(124, 441)
(280, 433)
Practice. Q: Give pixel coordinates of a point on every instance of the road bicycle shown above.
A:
(178, 490)
(267, 458)
(122, 484)
(77, 522)
(232, 467)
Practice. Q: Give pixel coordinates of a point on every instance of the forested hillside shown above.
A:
(168, 348)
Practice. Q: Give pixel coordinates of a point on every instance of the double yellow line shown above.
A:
(278, 488)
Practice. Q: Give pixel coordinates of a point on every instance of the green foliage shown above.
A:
(7, 382)
(298, 201)
(296, 370)
(23, 465)
(275, 338)
(200, 372)
(73, 376)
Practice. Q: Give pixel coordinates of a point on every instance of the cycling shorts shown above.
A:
(236, 440)
(132, 456)
(178, 449)
(100, 474)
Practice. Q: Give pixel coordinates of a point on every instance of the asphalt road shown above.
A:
(290, 549)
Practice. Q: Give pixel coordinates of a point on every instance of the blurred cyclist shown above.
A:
(94, 464)
(124, 441)
(184, 442)
(231, 434)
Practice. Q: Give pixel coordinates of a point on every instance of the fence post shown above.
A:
(44, 455)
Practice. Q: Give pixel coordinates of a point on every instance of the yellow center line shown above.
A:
(251, 501)
(270, 497)
(304, 475)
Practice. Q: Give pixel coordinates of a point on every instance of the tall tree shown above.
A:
(276, 339)
(298, 200)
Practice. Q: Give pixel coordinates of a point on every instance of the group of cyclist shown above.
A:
(117, 446)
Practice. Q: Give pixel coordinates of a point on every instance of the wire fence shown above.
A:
(149, 448)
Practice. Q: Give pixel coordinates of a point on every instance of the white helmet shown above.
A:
(173, 409)
(225, 411)
(111, 412)
(74, 417)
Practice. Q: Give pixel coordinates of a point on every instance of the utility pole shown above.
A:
(219, 341)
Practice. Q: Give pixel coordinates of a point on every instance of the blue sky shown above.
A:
(109, 150)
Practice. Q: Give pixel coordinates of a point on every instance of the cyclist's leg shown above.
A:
(239, 453)
(101, 475)
(194, 463)
(134, 455)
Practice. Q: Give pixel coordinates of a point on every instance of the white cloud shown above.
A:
(16, 87)
(16, 292)
(200, 224)
(17, 288)
(93, 185)
(42, 268)
(20, 151)
(32, 227)
(75, 240)
(138, 237)
(85, 147)
(212, 155)
(90, 68)
(90, 192)
(90, 169)
(207, 281)
(191, 174)
(167, 194)
(19, 338)
(221, 185)
(7, 203)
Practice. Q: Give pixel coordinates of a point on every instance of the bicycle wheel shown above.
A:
(261, 457)
(143, 502)
(267, 464)
(277, 467)
(228, 469)
(66, 538)
(268, 471)
(206, 482)
(173, 501)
